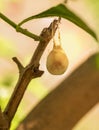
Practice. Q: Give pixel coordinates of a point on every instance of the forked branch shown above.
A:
(29, 72)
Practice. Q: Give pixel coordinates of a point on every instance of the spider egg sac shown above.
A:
(57, 61)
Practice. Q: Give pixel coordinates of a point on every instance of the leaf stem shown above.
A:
(20, 29)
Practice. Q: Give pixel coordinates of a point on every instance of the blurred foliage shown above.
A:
(94, 5)
(4, 97)
(6, 85)
(37, 89)
(7, 81)
(2, 5)
(6, 47)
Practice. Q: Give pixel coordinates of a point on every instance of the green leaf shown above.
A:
(62, 11)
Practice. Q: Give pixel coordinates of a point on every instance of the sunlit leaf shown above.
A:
(62, 11)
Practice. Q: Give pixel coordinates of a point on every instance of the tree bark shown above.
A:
(68, 103)
(3, 121)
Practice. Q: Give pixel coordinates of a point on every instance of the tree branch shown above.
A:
(29, 72)
(68, 103)
(20, 66)
(3, 121)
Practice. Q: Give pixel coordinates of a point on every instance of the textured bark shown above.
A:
(3, 121)
(68, 103)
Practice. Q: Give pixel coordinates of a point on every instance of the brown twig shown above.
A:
(20, 66)
(65, 1)
(29, 72)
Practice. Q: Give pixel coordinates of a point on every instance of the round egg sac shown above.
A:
(57, 61)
